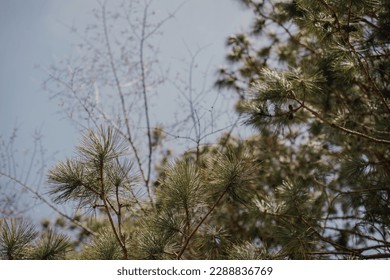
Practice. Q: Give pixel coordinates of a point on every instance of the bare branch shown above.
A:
(48, 203)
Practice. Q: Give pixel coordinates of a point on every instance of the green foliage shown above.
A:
(51, 246)
(103, 247)
(15, 239)
(189, 194)
(153, 244)
(312, 79)
(19, 240)
(96, 173)
(182, 187)
(98, 178)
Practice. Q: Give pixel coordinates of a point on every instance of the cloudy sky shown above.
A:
(36, 34)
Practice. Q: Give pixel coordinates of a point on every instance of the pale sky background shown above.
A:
(34, 33)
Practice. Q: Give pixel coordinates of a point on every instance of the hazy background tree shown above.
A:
(117, 78)
(313, 78)
(19, 167)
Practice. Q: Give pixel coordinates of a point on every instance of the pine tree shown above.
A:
(313, 78)
(179, 224)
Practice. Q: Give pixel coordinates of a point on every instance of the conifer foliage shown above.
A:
(313, 79)
(20, 240)
(313, 182)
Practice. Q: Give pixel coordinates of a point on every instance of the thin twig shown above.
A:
(121, 95)
(48, 203)
(145, 97)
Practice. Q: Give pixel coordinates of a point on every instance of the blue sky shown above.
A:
(35, 34)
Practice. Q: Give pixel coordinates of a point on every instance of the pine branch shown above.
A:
(376, 256)
(186, 242)
(146, 106)
(334, 125)
(103, 197)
